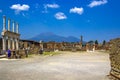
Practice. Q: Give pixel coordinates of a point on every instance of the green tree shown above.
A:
(96, 41)
(104, 42)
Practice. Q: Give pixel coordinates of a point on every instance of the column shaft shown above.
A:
(4, 23)
(8, 24)
(4, 43)
(9, 43)
(13, 44)
(17, 29)
(17, 44)
(13, 26)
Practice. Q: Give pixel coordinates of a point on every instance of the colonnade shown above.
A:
(10, 38)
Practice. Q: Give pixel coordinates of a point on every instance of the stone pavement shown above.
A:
(66, 66)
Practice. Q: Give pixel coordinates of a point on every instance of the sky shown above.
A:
(93, 19)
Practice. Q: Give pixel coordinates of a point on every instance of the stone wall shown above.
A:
(115, 59)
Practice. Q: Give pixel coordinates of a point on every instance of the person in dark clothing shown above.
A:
(26, 52)
(14, 54)
(9, 53)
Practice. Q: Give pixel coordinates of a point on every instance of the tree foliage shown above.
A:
(104, 42)
(96, 41)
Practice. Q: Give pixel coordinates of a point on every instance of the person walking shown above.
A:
(26, 52)
(14, 53)
(40, 51)
(9, 53)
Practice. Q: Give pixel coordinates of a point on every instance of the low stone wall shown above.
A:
(115, 59)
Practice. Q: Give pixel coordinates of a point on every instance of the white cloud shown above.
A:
(60, 16)
(0, 11)
(97, 3)
(77, 10)
(52, 6)
(18, 8)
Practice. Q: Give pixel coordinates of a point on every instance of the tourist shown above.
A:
(14, 53)
(9, 53)
(26, 52)
(41, 51)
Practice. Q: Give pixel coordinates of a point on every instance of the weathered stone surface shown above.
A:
(115, 59)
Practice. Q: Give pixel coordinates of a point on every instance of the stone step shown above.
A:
(2, 56)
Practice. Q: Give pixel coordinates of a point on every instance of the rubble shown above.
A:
(115, 59)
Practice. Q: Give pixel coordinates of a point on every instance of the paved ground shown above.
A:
(66, 66)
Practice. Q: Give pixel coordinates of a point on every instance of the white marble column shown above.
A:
(4, 23)
(41, 44)
(17, 44)
(4, 42)
(13, 28)
(9, 24)
(17, 28)
(9, 43)
(13, 43)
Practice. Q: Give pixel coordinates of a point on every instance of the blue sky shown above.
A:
(94, 19)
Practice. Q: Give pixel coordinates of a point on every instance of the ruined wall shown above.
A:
(115, 59)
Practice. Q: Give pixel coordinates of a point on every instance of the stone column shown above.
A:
(13, 43)
(17, 44)
(4, 23)
(8, 24)
(13, 26)
(93, 47)
(17, 29)
(9, 43)
(87, 47)
(41, 44)
(4, 42)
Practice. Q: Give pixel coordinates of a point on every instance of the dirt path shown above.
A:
(66, 66)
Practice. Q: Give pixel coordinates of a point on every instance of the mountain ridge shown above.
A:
(49, 36)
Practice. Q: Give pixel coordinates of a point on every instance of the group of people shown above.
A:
(13, 53)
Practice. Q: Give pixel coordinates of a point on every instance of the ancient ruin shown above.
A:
(10, 38)
(115, 59)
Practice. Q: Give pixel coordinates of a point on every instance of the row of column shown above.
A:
(13, 25)
(10, 43)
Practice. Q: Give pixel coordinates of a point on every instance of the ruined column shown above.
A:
(4, 23)
(13, 44)
(94, 48)
(9, 43)
(13, 26)
(9, 24)
(41, 44)
(17, 44)
(17, 29)
(87, 47)
(4, 43)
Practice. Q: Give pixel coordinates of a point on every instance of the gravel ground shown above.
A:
(65, 66)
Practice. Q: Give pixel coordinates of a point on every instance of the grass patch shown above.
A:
(50, 53)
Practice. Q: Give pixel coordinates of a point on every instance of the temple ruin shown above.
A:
(10, 38)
